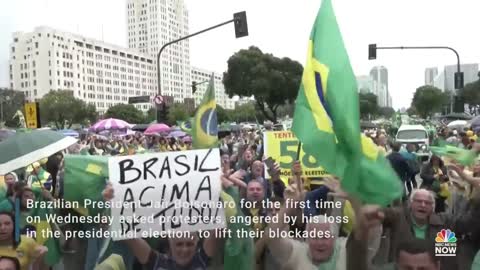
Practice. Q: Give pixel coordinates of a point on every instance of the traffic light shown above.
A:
(458, 104)
(162, 113)
(194, 87)
(241, 26)
(458, 80)
(372, 51)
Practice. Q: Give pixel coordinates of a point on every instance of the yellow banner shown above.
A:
(282, 146)
(31, 114)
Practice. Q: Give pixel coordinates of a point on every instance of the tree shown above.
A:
(368, 105)
(286, 110)
(177, 112)
(428, 100)
(12, 101)
(244, 113)
(63, 109)
(470, 94)
(411, 111)
(151, 115)
(222, 115)
(271, 80)
(386, 112)
(125, 112)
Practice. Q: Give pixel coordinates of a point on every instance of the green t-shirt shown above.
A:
(419, 231)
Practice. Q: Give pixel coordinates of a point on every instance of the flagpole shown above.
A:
(298, 150)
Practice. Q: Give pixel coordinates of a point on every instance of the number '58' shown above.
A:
(288, 153)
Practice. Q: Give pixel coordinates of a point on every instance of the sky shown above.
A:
(280, 27)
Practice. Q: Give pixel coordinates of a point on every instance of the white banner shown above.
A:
(165, 193)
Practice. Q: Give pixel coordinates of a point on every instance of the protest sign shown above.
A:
(165, 192)
(282, 146)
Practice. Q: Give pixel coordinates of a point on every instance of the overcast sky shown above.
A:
(280, 27)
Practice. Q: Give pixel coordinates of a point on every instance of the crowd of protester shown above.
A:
(439, 194)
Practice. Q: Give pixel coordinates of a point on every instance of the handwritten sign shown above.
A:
(166, 192)
(282, 146)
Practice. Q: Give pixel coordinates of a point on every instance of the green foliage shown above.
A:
(177, 112)
(386, 112)
(12, 101)
(368, 105)
(428, 100)
(411, 111)
(151, 115)
(243, 113)
(271, 80)
(471, 93)
(63, 109)
(222, 115)
(125, 112)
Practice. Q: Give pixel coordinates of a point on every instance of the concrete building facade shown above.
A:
(97, 72)
(445, 80)
(203, 76)
(151, 24)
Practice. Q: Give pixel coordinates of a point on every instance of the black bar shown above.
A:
(424, 47)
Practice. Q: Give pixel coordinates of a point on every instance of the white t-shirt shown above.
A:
(300, 258)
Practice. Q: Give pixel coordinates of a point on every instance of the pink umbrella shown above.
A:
(156, 128)
(110, 124)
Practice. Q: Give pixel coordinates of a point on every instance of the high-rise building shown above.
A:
(445, 80)
(98, 73)
(430, 74)
(364, 84)
(151, 24)
(202, 77)
(379, 76)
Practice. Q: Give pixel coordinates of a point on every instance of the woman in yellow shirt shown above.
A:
(27, 251)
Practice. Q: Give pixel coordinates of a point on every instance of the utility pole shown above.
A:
(372, 54)
(241, 30)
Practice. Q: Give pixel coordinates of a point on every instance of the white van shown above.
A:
(417, 135)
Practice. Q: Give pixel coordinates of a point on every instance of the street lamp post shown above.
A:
(372, 54)
(241, 30)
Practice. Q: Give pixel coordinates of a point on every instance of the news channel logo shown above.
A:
(445, 243)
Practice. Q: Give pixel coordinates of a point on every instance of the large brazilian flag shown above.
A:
(204, 126)
(327, 119)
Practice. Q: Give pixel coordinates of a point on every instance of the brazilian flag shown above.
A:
(186, 126)
(85, 178)
(205, 127)
(327, 120)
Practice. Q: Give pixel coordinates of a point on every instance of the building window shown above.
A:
(13, 49)
(35, 92)
(34, 73)
(36, 46)
(33, 63)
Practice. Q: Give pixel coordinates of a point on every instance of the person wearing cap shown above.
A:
(38, 177)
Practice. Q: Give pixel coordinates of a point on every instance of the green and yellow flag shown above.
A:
(327, 120)
(205, 125)
(85, 178)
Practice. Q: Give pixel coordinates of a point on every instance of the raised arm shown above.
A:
(140, 249)
(280, 247)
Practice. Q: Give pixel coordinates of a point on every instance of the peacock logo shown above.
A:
(446, 236)
(445, 243)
